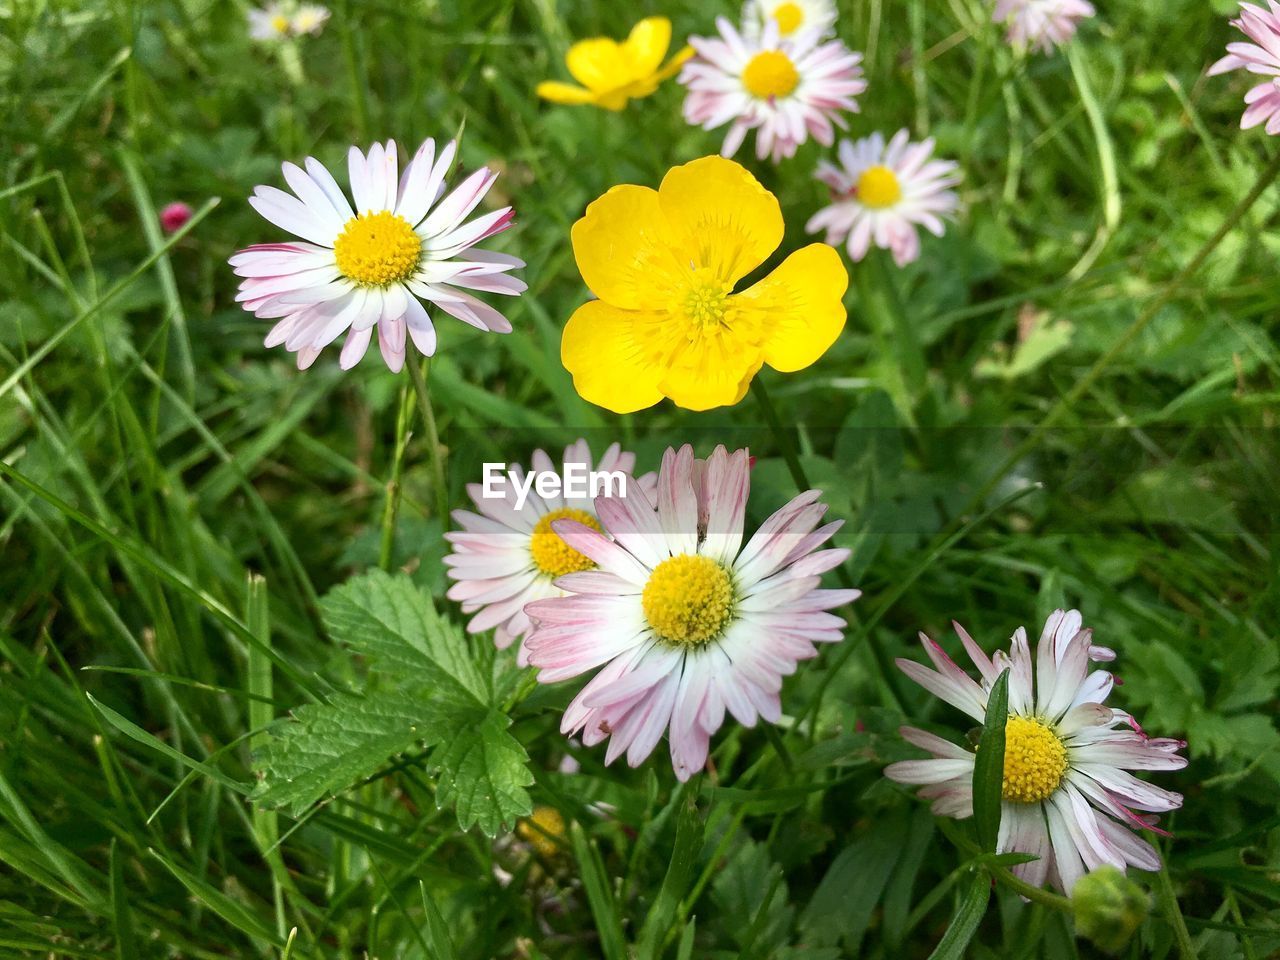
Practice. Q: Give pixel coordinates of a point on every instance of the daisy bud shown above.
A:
(174, 216)
(1109, 908)
(544, 830)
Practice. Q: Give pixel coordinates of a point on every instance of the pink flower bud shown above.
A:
(174, 216)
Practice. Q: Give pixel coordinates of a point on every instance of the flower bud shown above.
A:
(1109, 907)
(174, 216)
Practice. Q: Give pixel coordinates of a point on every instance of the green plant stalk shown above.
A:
(1169, 900)
(434, 449)
(391, 506)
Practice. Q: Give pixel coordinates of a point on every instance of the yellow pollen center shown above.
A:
(770, 74)
(553, 556)
(704, 302)
(280, 23)
(789, 17)
(688, 600)
(878, 187)
(1035, 760)
(377, 249)
(543, 829)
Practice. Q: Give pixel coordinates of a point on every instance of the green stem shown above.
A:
(783, 436)
(1140, 323)
(910, 353)
(391, 506)
(1169, 899)
(1024, 889)
(359, 91)
(434, 449)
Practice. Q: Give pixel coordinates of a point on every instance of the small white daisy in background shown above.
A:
(880, 194)
(684, 621)
(372, 264)
(504, 557)
(1067, 796)
(269, 23)
(1261, 57)
(791, 16)
(786, 89)
(1043, 24)
(310, 19)
(279, 21)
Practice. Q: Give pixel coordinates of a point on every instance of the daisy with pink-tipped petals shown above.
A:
(1068, 796)
(882, 194)
(680, 620)
(1261, 57)
(1042, 24)
(786, 89)
(507, 555)
(372, 264)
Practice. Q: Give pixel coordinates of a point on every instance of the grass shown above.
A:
(1071, 399)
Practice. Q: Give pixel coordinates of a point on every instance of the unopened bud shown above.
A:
(1109, 907)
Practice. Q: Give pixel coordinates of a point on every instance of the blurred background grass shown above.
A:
(158, 456)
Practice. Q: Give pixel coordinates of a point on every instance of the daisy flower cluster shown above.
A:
(658, 598)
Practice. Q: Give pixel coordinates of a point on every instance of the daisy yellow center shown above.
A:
(553, 556)
(688, 600)
(770, 73)
(789, 17)
(879, 187)
(704, 301)
(543, 829)
(377, 249)
(280, 23)
(1035, 760)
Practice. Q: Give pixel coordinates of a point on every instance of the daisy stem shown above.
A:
(359, 92)
(910, 354)
(391, 507)
(1186, 949)
(434, 449)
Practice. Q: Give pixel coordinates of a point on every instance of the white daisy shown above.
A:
(505, 557)
(1068, 798)
(371, 264)
(785, 88)
(1261, 57)
(1041, 23)
(269, 23)
(790, 15)
(683, 621)
(880, 194)
(310, 18)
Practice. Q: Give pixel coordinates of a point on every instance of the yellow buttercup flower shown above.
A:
(612, 73)
(664, 264)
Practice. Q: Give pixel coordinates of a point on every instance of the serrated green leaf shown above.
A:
(391, 621)
(484, 774)
(988, 765)
(426, 688)
(330, 746)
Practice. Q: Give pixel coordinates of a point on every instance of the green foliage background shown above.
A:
(176, 500)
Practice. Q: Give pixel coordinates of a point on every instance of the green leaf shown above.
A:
(689, 829)
(842, 907)
(484, 773)
(424, 689)
(988, 766)
(393, 623)
(328, 747)
(604, 907)
(973, 904)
